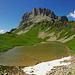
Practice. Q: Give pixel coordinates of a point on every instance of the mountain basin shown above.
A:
(32, 55)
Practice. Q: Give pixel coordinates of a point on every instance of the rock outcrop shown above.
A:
(41, 12)
(38, 11)
(11, 70)
(62, 18)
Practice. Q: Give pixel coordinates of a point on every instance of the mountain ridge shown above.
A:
(44, 13)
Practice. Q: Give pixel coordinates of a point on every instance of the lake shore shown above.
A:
(65, 69)
(62, 66)
(57, 68)
(31, 55)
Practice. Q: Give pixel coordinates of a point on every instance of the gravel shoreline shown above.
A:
(48, 68)
(57, 70)
(64, 70)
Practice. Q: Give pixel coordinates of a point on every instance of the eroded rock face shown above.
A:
(38, 11)
(62, 18)
(41, 12)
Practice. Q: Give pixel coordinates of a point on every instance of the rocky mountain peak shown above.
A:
(43, 12)
(46, 13)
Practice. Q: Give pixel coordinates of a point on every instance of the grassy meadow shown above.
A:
(11, 40)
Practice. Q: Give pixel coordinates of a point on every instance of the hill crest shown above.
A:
(39, 13)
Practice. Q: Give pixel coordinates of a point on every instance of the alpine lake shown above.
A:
(32, 55)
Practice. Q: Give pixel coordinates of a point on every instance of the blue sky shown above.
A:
(11, 11)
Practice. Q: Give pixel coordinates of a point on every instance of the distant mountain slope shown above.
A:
(56, 30)
(56, 27)
(52, 30)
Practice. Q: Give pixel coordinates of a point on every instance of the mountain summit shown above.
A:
(39, 14)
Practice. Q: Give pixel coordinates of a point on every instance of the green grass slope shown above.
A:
(10, 40)
(71, 45)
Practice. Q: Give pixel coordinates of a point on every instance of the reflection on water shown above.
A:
(31, 55)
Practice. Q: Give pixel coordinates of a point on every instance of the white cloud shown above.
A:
(71, 14)
(1, 31)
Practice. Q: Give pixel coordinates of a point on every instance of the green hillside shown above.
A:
(27, 34)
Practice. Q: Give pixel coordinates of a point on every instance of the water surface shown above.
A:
(31, 55)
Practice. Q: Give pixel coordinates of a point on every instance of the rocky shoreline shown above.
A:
(64, 70)
(57, 70)
(11, 70)
(48, 68)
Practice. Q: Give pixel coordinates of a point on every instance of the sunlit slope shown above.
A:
(53, 31)
(35, 32)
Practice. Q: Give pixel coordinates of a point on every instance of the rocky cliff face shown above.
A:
(38, 11)
(41, 12)
(62, 18)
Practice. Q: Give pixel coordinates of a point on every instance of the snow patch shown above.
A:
(44, 67)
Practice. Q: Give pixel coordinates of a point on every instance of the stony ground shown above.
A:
(64, 70)
(11, 70)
